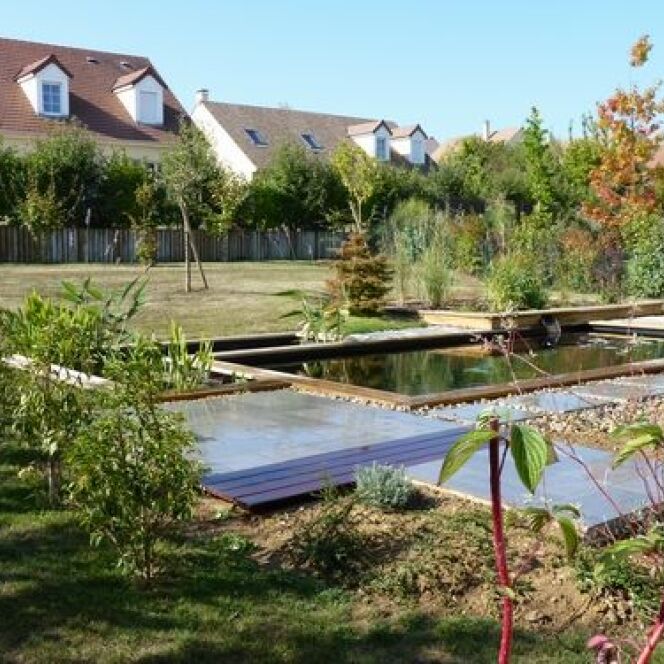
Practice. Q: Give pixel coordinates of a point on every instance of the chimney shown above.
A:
(202, 95)
(486, 133)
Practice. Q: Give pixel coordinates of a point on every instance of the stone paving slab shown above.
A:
(256, 429)
(468, 413)
(562, 401)
(613, 391)
(565, 481)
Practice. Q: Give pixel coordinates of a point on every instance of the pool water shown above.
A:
(438, 370)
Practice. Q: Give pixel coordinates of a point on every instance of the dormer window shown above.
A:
(381, 148)
(142, 94)
(257, 138)
(312, 142)
(45, 83)
(51, 98)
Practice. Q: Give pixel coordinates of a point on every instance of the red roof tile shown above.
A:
(91, 98)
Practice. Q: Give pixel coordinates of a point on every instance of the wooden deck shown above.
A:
(258, 486)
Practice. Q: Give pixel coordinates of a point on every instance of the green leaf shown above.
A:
(462, 450)
(537, 518)
(638, 429)
(567, 507)
(530, 454)
(627, 548)
(636, 444)
(570, 535)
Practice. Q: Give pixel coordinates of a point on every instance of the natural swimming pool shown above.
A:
(438, 370)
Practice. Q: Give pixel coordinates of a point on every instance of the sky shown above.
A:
(447, 64)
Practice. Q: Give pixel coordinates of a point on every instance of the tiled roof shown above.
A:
(407, 132)
(369, 127)
(135, 76)
(280, 126)
(38, 65)
(91, 99)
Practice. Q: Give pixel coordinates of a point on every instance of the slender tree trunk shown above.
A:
(194, 251)
(499, 548)
(53, 480)
(187, 244)
(190, 243)
(654, 637)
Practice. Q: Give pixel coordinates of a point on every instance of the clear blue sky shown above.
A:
(446, 64)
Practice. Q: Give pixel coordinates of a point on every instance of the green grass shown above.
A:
(62, 601)
(244, 298)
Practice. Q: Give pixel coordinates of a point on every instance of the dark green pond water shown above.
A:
(438, 370)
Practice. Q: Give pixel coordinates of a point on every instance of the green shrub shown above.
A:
(384, 486)
(433, 273)
(330, 544)
(363, 278)
(184, 370)
(645, 266)
(132, 471)
(469, 239)
(515, 283)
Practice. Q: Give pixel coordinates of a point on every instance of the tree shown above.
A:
(63, 173)
(191, 175)
(540, 168)
(297, 189)
(623, 187)
(359, 174)
(133, 474)
(120, 179)
(12, 182)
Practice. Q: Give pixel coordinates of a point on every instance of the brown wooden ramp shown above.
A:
(260, 485)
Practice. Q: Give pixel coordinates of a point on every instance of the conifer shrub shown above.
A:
(363, 279)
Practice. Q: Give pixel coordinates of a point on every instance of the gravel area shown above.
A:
(593, 426)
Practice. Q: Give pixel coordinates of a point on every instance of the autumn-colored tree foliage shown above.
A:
(622, 184)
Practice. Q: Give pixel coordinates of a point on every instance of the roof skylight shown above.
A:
(312, 141)
(257, 138)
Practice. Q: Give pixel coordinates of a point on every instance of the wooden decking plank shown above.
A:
(313, 459)
(299, 484)
(378, 454)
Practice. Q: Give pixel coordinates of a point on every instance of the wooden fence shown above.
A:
(109, 245)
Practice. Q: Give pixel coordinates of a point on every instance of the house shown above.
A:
(121, 99)
(245, 138)
(507, 135)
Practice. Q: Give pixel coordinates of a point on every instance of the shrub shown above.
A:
(131, 467)
(433, 273)
(363, 278)
(185, 370)
(645, 266)
(469, 238)
(329, 544)
(384, 486)
(575, 266)
(514, 283)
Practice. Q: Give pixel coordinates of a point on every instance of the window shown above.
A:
(148, 107)
(381, 148)
(417, 156)
(311, 141)
(256, 137)
(51, 99)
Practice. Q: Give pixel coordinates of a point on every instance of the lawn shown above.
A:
(243, 297)
(222, 600)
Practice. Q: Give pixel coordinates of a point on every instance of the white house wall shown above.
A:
(227, 151)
